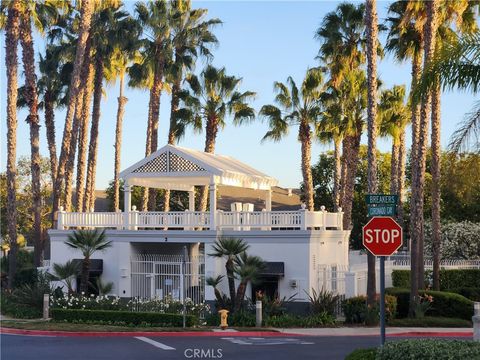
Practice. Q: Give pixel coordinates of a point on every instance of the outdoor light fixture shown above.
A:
(123, 273)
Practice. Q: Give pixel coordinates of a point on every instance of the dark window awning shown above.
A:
(273, 268)
(96, 266)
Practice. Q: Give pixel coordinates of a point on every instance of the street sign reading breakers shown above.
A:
(382, 236)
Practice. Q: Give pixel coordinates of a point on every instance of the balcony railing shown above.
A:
(197, 220)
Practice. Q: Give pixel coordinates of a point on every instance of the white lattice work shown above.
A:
(179, 164)
(156, 165)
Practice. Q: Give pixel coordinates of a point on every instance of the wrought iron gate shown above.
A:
(159, 276)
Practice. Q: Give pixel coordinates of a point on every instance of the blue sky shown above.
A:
(261, 42)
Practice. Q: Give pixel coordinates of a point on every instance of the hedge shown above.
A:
(431, 321)
(429, 349)
(449, 279)
(470, 293)
(444, 303)
(124, 317)
(357, 312)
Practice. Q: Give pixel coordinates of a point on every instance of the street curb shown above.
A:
(434, 334)
(11, 331)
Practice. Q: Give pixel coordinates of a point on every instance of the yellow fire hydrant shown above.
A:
(223, 318)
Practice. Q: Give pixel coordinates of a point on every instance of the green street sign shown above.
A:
(381, 199)
(386, 210)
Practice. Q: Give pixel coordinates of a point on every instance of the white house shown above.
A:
(148, 247)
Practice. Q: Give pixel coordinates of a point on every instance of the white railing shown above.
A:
(404, 264)
(194, 220)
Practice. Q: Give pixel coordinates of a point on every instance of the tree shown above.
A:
(212, 96)
(67, 273)
(248, 269)
(371, 26)
(150, 71)
(191, 37)
(229, 248)
(299, 107)
(74, 88)
(12, 35)
(214, 282)
(87, 242)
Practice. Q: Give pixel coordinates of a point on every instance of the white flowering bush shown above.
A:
(460, 240)
(167, 305)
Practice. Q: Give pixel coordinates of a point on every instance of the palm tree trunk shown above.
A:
(147, 149)
(343, 174)
(351, 148)
(402, 157)
(83, 137)
(436, 163)
(85, 21)
(85, 273)
(93, 146)
(72, 151)
(50, 130)
(242, 287)
(394, 167)
(231, 281)
(171, 133)
(419, 168)
(31, 95)
(372, 29)
(337, 174)
(306, 140)
(415, 113)
(210, 140)
(122, 100)
(157, 91)
(12, 33)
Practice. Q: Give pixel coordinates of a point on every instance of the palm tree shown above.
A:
(300, 107)
(153, 17)
(88, 242)
(212, 96)
(214, 282)
(248, 269)
(74, 88)
(229, 248)
(12, 35)
(191, 37)
(67, 273)
(371, 20)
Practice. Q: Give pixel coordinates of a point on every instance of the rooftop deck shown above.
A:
(195, 220)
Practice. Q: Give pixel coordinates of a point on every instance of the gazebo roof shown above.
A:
(177, 168)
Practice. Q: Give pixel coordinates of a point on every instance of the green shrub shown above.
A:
(17, 311)
(356, 311)
(123, 317)
(362, 354)
(429, 349)
(469, 292)
(24, 260)
(323, 302)
(275, 306)
(449, 279)
(241, 318)
(431, 321)
(289, 320)
(444, 304)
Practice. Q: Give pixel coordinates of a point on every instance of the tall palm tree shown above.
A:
(153, 17)
(191, 37)
(74, 88)
(87, 242)
(248, 269)
(300, 107)
(214, 282)
(229, 248)
(371, 25)
(212, 96)
(12, 35)
(111, 27)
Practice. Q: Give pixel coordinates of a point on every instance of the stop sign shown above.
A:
(382, 236)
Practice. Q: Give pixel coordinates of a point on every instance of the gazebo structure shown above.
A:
(177, 168)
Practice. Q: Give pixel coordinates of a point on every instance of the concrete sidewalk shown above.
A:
(392, 331)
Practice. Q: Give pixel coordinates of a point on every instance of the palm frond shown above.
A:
(467, 136)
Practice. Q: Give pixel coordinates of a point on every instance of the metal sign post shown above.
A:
(183, 285)
(382, 300)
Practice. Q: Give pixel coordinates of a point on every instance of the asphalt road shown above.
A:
(16, 347)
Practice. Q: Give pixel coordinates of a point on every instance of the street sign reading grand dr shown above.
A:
(382, 236)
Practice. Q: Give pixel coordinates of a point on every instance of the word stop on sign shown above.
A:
(384, 236)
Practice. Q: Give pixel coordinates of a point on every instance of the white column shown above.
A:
(350, 285)
(268, 200)
(127, 203)
(213, 205)
(191, 200)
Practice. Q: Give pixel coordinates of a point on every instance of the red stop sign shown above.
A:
(382, 236)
